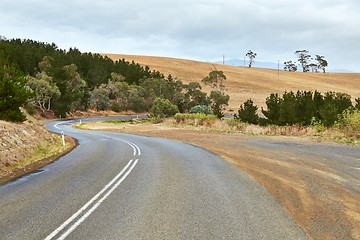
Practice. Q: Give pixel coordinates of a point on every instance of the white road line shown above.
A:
(83, 208)
(56, 125)
(91, 210)
(135, 148)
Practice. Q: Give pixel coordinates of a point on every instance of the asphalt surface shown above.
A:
(119, 186)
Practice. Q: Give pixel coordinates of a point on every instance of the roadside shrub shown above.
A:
(273, 108)
(203, 109)
(219, 100)
(234, 124)
(163, 108)
(317, 125)
(137, 104)
(287, 111)
(180, 118)
(333, 105)
(115, 107)
(30, 109)
(217, 110)
(349, 123)
(247, 113)
(195, 119)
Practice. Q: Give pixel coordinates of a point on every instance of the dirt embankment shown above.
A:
(318, 184)
(27, 146)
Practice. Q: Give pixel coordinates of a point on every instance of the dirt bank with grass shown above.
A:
(318, 184)
(27, 146)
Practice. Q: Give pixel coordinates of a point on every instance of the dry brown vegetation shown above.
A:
(27, 146)
(256, 83)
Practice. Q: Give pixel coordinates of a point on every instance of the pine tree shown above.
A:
(13, 93)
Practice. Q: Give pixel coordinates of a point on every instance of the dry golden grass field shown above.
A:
(256, 83)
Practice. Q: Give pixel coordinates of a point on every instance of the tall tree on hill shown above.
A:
(290, 66)
(303, 58)
(251, 55)
(314, 67)
(321, 62)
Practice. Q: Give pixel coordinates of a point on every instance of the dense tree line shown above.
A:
(59, 81)
(118, 95)
(94, 68)
(66, 76)
(301, 108)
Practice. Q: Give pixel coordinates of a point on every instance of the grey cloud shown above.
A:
(197, 29)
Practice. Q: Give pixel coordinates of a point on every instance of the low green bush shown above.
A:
(163, 108)
(203, 109)
(317, 125)
(349, 123)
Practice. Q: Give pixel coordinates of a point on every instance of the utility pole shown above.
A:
(223, 59)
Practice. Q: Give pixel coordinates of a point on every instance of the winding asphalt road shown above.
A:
(119, 186)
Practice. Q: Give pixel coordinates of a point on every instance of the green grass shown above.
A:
(118, 121)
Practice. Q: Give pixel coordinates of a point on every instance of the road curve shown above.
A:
(120, 186)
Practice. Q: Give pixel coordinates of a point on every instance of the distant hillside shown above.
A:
(255, 83)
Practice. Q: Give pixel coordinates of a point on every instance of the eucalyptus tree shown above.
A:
(215, 79)
(290, 66)
(303, 58)
(218, 103)
(321, 62)
(251, 55)
(44, 91)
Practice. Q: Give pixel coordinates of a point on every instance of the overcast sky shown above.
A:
(202, 30)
